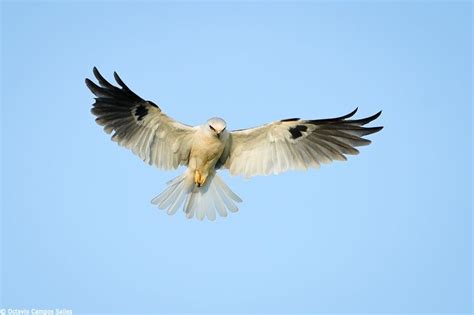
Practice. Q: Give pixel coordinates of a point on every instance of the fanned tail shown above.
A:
(203, 201)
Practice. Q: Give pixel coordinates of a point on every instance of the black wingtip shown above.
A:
(88, 81)
(94, 88)
(374, 116)
(289, 119)
(365, 121)
(377, 115)
(96, 72)
(333, 120)
(371, 130)
(349, 115)
(91, 85)
(119, 81)
(102, 81)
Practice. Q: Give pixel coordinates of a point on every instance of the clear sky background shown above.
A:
(388, 231)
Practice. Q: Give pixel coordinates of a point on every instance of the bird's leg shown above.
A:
(199, 178)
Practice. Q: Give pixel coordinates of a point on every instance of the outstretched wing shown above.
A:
(295, 144)
(140, 125)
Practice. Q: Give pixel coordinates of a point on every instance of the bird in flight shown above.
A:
(288, 144)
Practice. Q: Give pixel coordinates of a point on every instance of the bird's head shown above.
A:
(216, 126)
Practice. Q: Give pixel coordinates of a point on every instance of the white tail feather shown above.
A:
(201, 202)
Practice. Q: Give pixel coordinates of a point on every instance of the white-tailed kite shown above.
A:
(288, 144)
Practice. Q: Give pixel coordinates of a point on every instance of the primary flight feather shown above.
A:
(288, 144)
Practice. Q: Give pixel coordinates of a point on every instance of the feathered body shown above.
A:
(283, 145)
(201, 190)
(207, 148)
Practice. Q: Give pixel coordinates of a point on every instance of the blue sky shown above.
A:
(388, 231)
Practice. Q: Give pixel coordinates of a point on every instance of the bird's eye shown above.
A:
(212, 128)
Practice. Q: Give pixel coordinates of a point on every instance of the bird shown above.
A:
(288, 144)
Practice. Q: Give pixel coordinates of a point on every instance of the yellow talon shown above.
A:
(199, 179)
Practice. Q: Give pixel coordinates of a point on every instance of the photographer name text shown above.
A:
(33, 311)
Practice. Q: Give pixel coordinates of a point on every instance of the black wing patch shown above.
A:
(297, 131)
(140, 112)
